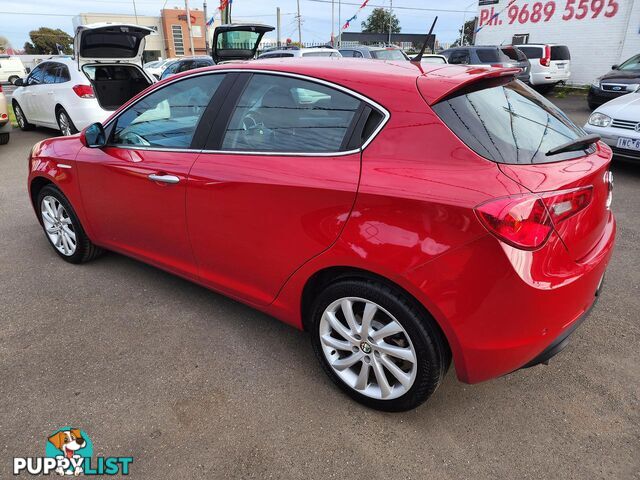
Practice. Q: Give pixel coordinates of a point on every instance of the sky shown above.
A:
(19, 17)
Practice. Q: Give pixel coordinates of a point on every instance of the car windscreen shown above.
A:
(532, 52)
(388, 54)
(632, 64)
(507, 122)
(560, 52)
(488, 55)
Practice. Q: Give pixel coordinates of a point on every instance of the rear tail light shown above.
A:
(526, 221)
(545, 60)
(0, 88)
(83, 91)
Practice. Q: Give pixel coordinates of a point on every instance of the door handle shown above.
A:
(171, 179)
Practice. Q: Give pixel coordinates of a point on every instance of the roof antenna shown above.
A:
(418, 58)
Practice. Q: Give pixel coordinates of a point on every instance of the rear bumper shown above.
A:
(545, 78)
(502, 309)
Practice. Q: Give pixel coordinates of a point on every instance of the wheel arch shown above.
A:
(35, 187)
(326, 276)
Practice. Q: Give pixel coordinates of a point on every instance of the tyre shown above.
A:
(23, 123)
(4, 138)
(377, 346)
(12, 79)
(64, 122)
(62, 227)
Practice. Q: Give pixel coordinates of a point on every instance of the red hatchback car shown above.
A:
(404, 215)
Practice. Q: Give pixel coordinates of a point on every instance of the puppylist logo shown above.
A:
(69, 451)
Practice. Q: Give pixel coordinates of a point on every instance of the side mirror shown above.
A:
(19, 82)
(615, 67)
(93, 136)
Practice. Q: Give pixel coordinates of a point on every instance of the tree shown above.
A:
(4, 44)
(469, 32)
(379, 20)
(44, 40)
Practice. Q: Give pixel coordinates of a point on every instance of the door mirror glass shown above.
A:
(614, 67)
(94, 136)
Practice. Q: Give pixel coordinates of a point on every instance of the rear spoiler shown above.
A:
(448, 81)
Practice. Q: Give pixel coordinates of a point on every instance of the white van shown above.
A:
(11, 69)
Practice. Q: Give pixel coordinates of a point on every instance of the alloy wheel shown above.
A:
(19, 116)
(368, 348)
(58, 225)
(65, 124)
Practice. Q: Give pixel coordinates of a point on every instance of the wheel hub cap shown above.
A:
(58, 226)
(368, 348)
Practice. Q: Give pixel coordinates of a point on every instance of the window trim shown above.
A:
(385, 113)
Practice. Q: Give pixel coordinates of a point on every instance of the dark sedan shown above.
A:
(622, 79)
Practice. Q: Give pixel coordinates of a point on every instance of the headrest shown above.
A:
(278, 97)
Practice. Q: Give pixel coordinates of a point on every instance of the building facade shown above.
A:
(175, 29)
(599, 33)
(155, 43)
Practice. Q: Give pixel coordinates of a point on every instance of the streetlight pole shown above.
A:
(186, 6)
(299, 26)
(390, 19)
(206, 28)
(333, 22)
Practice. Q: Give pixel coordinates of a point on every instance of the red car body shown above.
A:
(263, 229)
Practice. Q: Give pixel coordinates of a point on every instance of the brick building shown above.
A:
(599, 34)
(176, 32)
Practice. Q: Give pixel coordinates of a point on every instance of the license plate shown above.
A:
(561, 66)
(629, 143)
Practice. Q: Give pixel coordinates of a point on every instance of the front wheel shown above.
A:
(62, 227)
(23, 123)
(377, 346)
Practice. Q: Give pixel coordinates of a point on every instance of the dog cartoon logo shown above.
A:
(71, 444)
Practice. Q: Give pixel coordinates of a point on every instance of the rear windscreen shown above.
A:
(110, 45)
(507, 122)
(532, 52)
(487, 55)
(560, 52)
(514, 54)
(321, 54)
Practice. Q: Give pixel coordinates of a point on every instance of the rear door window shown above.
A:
(459, 57)
(287, 115)
(63, 74)
(560, 52)
(50, 73)
(509, 123)
(513, 54)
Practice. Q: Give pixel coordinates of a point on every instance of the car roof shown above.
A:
(384, 78)
(540, 45)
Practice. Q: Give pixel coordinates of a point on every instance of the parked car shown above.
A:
(618, 124)
(185, 64)
(5, 123)
(70, 94)
(622, 79)
(496, 56)
(286, 52)
(157, 67)
(11, 68)
(377, 53)
(467, 218)
(550, 64)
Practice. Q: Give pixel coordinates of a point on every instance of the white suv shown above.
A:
(550, 64)
(71, 93)
(285, 52)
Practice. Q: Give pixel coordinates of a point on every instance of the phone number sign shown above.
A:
(536, 12)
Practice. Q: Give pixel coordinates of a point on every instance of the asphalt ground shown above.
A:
(194, 385)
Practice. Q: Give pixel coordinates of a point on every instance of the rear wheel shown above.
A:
(4, 138)
(376, 346)
(62, 227)
(23, 123)
(12, 79)
(64, 122)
